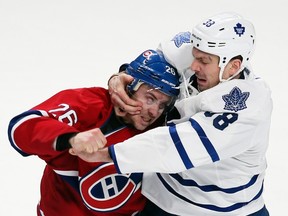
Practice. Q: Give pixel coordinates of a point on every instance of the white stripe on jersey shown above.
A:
(68, 173)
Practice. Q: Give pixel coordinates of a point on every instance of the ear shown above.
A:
(234, 66)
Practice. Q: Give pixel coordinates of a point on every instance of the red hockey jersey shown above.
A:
(70, 186)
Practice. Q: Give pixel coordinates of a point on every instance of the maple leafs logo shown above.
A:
(235, 100)
(239, 29)
(181, 38)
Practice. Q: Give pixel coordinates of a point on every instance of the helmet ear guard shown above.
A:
(123, 67)
(226, 35)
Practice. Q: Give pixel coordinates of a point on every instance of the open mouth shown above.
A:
(146, 119)
(201, 81)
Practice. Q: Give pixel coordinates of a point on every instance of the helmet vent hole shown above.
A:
(222, 44)
(221, 29)
(211, 44)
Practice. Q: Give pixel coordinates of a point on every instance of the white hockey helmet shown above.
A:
(226, 35)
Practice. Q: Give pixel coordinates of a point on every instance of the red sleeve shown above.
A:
(74, 110)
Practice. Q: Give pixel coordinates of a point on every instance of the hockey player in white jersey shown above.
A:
(211, 161)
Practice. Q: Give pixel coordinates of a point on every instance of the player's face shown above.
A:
(154, 103)
(206, 69)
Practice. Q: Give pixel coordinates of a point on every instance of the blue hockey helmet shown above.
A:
(151, 68)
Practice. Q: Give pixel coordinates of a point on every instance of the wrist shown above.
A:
(63, 141)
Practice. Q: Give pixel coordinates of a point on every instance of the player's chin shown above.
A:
(202, 84)
(142, 125)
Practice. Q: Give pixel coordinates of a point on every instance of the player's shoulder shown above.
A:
(178, 50)
(95, 96)
(92, 92)
(235, 95)
(255, 86)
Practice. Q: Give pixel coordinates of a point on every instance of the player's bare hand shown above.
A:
(87, 142)
(117, 89)
(101, 155)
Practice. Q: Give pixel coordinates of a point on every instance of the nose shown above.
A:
(153, 110)
(195, 66)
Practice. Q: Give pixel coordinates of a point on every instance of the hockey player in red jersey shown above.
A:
(72, 120)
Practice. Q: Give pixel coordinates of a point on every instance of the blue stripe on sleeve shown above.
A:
(210, 188)
(112, 154)
(204, 139)
(180, 148)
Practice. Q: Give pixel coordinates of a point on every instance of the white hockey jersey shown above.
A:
(212, 162)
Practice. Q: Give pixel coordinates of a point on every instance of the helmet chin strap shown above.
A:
(184, 85)
(230, 78)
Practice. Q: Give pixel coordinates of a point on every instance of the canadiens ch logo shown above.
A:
(235, 100)
(181, 38)
(103, 192)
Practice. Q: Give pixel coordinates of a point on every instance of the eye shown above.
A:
(162, 106)
(204, 61)
(150, 100)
